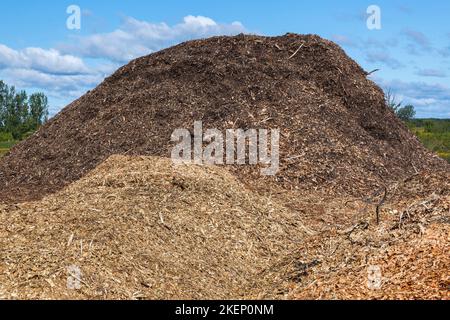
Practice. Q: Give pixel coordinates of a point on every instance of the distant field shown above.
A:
(434, 134)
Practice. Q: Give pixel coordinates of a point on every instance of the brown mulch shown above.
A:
(337, 132)
(410, 246)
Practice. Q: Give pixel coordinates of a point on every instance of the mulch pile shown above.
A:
(140, 228)
(356, 189)
(409, 247)
(337, 133)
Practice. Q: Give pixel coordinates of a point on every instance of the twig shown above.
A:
(161, 217)
(295, 53)
(373, 71)
(69, 242)
(381, 204)
(294, 157)
(415, 169)
(350, 230)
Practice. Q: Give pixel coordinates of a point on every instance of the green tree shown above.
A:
(17, 115)
(6, 100)
(38, 115)
(406, 113)
(21, 115)
(3, 93)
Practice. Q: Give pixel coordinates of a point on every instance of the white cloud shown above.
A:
(199, 21)
(431, 73)
(383, 57)
(34, 78)
(65, 73)
(49, 61)
(418, 38)
(136, 38)
(429, 99)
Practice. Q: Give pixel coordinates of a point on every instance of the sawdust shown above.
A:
(142, 228)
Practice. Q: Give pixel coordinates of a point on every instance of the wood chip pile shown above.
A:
(91, 207)
(405, 256)
(141, 228)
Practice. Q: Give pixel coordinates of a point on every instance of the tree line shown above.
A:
(20, 114)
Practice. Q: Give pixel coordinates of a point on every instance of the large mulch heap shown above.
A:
(140, 228)
(337, 132)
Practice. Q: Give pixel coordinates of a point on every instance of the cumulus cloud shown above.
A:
(62, 87)
(136, 38)
(418, 38)
(366, 45)
(34, 78)
(382, 57)
(431, 73)
(429, 99)
(418, 42)
(49, 61)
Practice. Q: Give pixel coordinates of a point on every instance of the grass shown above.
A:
(434, 134)
(5, 146)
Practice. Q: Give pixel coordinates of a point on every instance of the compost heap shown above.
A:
(337, 134)
(91, 206)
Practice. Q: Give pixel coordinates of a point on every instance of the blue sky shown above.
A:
(39, 53)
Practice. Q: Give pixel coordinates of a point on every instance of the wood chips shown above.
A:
(112, 218)
(141, 228)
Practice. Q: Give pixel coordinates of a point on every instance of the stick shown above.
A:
(295, 53)
(161, 217)
(380, 204)
(69, 242)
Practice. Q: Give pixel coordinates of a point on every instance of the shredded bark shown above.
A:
(338, 135)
